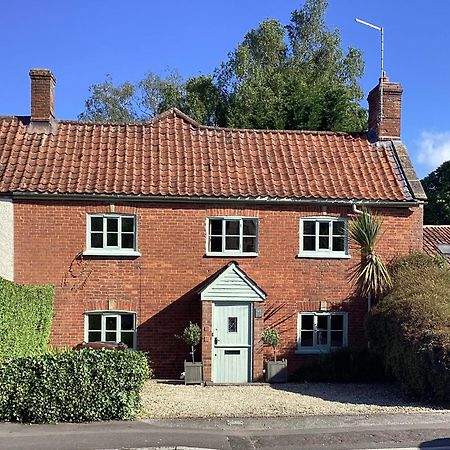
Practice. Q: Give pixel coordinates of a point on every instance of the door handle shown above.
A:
(216, 341)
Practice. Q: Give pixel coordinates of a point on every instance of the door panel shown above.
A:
(231, 342)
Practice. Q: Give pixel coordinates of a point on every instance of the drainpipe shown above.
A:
(355, 209)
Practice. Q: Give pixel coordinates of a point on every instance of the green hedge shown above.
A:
(357, 365)
(26, 314)
(72, 386)
(410, 328)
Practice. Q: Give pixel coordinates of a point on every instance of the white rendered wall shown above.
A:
(6, 238)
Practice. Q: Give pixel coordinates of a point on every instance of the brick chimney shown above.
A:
(385, 124)
(42, 95)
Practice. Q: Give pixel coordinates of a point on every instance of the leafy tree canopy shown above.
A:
(437, 188)
(279, 77)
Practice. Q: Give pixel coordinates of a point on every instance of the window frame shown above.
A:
(103, 316)
(111, 250)
(324, 253)
(241, 235)
(322, 348)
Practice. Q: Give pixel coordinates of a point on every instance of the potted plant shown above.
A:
(193, 371)
(276, 371)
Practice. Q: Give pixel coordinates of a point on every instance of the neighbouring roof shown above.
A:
(436, 240)
(172, 155)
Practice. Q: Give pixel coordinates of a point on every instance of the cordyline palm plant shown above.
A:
(371, 276)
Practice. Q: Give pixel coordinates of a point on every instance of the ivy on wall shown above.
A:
(26, 314)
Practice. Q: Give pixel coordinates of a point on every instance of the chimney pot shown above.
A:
(385, 125)
(42, 95)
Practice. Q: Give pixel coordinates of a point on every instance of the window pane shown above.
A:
(112, 239)
(309, 243)
(232, 228)
(94, 336)
(127, 240)
(322, 337)
(215, 244)
(324, 228)
(249, 227)
(111, 336)
(337, 322)
(324, 242)
(306, 339)
(249, 244)
(338, 228)
(127, 338)
(215, 226)
(128, 224)
(337, 338)
(322, 322)
(309, 227)
(94, 322)
(307, 322)
(232, 243)
(232, 324)
(111, 323)
(112, 224)
(338, 244)
(322, 330)
(96, 223)
(127, 321)
(96, 240)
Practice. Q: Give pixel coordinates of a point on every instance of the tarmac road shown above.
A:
(383, 431)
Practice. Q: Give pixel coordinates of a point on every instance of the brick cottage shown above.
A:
(145, 227)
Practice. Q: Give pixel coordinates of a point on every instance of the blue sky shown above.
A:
(81, 41)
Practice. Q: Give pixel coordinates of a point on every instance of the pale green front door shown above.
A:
(232, 342)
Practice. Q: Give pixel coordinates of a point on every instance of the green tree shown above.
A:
(279, 77)
(437, 188)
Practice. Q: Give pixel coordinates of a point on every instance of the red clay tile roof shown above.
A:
(434, 235)
(172, 155)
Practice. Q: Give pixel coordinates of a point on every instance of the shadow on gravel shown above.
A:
(443, 443)
(354, 394)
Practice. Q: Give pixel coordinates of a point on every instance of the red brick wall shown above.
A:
(160, 285)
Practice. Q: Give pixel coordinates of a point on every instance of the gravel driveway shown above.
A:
(172, 401)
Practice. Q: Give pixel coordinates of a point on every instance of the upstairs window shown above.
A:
(111, 326)
(232, 236)
(323, 237)
(321, 332)
(111, 234)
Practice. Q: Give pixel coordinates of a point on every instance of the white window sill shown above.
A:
(324, 255)
(316, 351)
(230, 254)
(116, 253)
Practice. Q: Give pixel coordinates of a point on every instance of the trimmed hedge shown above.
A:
(26, 314)
(354, 365)
(72, 386)
(410, 328)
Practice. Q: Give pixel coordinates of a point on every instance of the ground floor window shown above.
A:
(321, 332)
(110, 326)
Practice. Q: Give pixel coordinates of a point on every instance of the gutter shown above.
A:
(205, 199)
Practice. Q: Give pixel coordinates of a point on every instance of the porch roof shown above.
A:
(232, 284)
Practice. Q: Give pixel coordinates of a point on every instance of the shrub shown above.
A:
(192, 335)
(26, 314)
(410, 327)
(72, 386)
(357, 365)
(271, 336)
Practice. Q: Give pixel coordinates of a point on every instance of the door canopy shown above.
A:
(232, 284)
